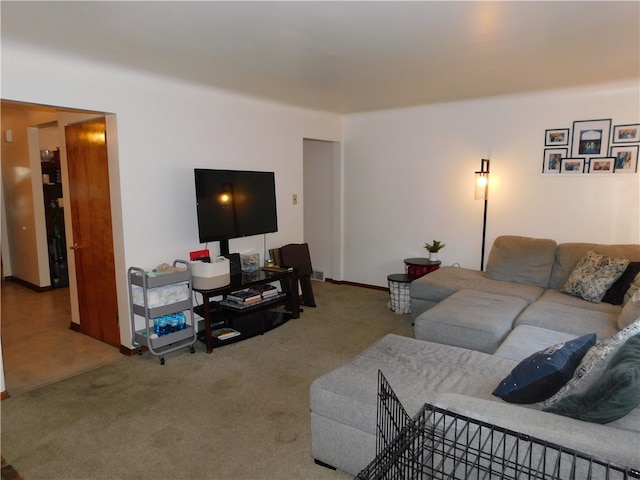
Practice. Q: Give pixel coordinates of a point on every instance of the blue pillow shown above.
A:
(542, 374)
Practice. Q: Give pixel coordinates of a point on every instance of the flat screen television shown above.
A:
(234, 203)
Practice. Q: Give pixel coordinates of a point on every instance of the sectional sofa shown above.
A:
(474, 331)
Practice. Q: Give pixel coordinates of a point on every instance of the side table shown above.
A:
(417, 267)
(400, 292)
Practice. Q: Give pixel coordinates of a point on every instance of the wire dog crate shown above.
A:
(438, 444)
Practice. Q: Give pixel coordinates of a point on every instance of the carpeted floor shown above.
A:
(241, 412)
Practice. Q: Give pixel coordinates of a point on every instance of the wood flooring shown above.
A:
(38, 347)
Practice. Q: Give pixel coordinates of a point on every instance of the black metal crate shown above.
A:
(439, 444)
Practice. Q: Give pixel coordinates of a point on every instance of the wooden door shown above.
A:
(90, 203)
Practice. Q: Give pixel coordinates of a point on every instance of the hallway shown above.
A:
(37, 345)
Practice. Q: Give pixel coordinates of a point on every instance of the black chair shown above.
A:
(296, 255)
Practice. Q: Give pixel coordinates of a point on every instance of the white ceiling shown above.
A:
(348, 56)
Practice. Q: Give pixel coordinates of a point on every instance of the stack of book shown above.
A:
(224, 333)
(246, 296)
(268, 291)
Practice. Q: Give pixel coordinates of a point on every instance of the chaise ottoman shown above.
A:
(344, 402)
(470, 319)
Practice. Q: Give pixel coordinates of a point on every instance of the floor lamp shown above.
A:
(482, 193)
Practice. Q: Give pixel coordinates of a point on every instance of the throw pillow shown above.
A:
(593, 364)
(593, 276)
(542, 374)
(613, 395)
(633, 288)
(615, 294)
(630, 312)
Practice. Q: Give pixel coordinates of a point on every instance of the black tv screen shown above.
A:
(234, 203)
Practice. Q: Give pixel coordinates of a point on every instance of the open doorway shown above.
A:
(26, 249)
(322, 200)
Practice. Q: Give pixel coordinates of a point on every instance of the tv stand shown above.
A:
(216, 313)
(224, 247)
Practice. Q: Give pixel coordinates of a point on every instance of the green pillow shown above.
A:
(611, 396)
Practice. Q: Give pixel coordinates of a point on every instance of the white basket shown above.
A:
(207, 276)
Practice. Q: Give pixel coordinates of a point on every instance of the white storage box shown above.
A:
(207, 276)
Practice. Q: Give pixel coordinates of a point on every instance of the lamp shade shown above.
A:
(481, 191)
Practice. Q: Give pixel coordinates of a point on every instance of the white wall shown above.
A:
(409, 179)
(165, 128)
(408, 173)
(24, 240)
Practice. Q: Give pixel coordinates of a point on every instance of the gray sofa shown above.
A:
(472, 329)
(533, 271)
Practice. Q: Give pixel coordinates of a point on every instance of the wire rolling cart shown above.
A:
(439, 444)
(148, 337)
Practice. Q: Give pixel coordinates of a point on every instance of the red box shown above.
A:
(198, 254)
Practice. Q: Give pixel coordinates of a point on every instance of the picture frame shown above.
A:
(552, 160)
(556, 137)
(626, 133)
(625, 158)
(602, 165)
(590, 138)
(572, 166)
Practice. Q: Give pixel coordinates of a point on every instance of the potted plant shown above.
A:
(433, 248)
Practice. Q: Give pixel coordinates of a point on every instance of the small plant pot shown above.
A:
(433, 256)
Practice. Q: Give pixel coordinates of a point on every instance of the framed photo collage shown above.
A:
(591, 147)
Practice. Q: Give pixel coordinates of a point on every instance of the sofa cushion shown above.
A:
(568, 318)
(594, 275)
(568, 255)
(418, 370)
(526, 340)
(603, 441)
(542, 374)
(556, 296)
(593, 364)
(522, 260)
(445, 281)
(614, 394)
(615, 294)
(470, 319)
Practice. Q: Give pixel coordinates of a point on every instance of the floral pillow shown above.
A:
(630, 312)
(633, 288)
(593, 276)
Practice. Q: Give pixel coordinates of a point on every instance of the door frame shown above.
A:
(116, 216)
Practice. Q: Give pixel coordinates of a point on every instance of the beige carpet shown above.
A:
(241, 412)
